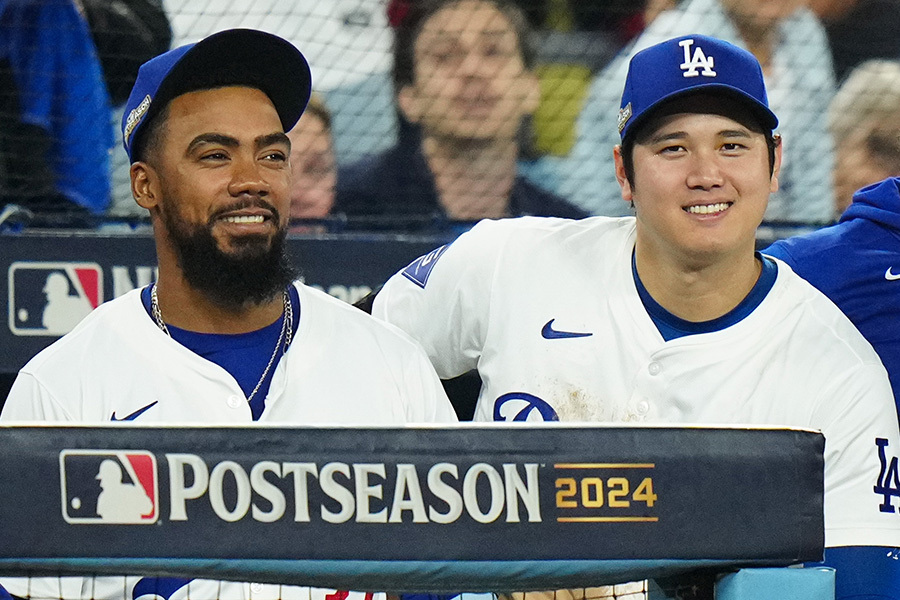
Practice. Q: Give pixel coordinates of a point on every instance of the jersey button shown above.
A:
(233, 401)
(256, 588)
(643, 406)
(655, 368)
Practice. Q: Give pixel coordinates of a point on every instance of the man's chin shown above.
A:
(245, 245)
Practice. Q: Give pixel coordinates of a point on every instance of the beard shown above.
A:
(256, 270)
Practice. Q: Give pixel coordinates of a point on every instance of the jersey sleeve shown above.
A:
(443, 299)
(28, 400)
(862, 445)
(428, 400)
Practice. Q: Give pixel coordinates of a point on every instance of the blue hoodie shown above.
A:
(856, 263)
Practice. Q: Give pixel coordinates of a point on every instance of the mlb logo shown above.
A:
(50, 298)
(109, 487)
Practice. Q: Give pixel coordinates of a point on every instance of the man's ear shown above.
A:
(627, 191)
(409, 104)
(776, 170)
(144, 185)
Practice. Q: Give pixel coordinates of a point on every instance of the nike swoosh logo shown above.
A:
(548, 333)
(135, 414)
(891, 276)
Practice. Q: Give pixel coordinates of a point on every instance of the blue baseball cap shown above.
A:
(688, 65)
(232, 57)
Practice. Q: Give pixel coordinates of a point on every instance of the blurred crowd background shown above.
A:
(428, 115)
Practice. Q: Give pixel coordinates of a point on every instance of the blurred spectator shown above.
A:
(859, 30)
(791, 45)
(463, 75)
(576, 39)
(864, 119)
(348, 46)
(55, 132)
(313, 166)
(573, 39)
(127, 33)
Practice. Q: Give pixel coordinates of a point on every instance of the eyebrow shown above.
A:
(231, 142)
(452, 36)
(680, 135)
(273, 139)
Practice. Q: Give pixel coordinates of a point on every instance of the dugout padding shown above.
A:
(410, 509)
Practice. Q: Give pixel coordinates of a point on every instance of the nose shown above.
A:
(705, 172)
(247, 178)
(473, 64)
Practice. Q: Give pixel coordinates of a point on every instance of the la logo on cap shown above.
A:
(697, 61)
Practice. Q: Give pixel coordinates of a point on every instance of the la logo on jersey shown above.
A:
(888, 482)
(522, 406)
(50, 298)
(109, 487)
(697, 60)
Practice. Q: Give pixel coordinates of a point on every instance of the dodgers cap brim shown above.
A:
(231, 57)
(687, 65)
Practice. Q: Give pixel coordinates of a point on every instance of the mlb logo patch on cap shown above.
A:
(691, 64)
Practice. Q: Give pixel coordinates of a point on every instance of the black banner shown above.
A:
(468, 493)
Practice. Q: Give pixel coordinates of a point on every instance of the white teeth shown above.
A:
(246, 219)
(706, 209)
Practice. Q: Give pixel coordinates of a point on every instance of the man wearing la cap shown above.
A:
(670, 316)
(225, 335)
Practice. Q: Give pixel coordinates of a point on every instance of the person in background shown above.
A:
(864, 119)
(313, 164)
(792, 48)
(859, 30)
(463, 76)
(55, 133)
(126, 33)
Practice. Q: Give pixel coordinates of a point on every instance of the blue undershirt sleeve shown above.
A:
(865, 572)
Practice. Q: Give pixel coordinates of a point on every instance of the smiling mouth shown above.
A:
(707, 209)
(245, 219)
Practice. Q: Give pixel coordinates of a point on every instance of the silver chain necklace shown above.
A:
(287, 330)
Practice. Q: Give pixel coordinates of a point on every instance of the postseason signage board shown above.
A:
(479, 501)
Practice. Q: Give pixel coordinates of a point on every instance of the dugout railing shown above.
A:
(466, 508)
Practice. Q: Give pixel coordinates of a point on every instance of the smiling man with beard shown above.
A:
(226, 334)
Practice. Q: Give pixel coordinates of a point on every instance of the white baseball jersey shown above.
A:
(549, 313)
(343, 367)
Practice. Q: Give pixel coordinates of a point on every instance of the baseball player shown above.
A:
(225, 335)
(670, 316)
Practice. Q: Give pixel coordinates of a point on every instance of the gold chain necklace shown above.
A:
(287, 330)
